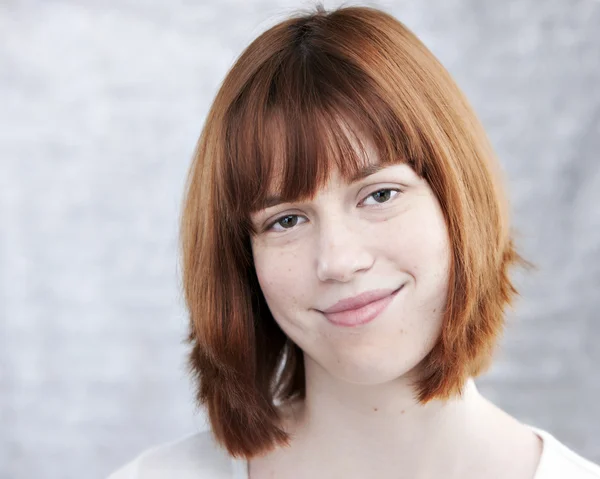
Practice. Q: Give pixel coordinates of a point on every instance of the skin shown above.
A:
(360, 418)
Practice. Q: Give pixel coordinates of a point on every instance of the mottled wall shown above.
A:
(101, 103)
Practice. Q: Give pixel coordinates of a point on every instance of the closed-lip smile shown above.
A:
(360, 309)
(360, 300)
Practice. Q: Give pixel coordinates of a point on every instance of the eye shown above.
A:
(382, 196)
(286, 222)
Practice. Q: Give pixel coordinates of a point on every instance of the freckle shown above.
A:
(375, 409)
(402, 412)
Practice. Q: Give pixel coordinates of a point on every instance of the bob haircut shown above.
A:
(294, 105)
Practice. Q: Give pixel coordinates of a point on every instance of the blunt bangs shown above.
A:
(301, 114)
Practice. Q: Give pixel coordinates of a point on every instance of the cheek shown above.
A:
(435, 257)
(420, 240)
(284, 280)
(279, 274)
(422, 251)
(432, 254)
(438, 247)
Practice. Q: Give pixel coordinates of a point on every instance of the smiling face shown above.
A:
(382, 232)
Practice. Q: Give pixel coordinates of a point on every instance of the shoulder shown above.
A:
(196, 456)
(558, 461)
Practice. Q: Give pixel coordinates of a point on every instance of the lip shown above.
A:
(360, 309)
(360, 300)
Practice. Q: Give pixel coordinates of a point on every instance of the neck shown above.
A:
(373, 430)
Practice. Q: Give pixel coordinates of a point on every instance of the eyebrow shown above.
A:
(274, 200)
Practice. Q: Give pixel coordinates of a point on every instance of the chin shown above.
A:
(371, 374)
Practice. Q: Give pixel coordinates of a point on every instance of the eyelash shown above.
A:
(273, 223)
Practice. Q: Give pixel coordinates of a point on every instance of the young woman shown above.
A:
(345, 250)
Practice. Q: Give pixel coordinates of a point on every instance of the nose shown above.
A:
(342, 251)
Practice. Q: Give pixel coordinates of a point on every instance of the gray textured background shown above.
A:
(101, 103)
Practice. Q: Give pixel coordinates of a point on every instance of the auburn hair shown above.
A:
(295, 104)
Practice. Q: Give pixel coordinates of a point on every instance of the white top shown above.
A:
(199, 457)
